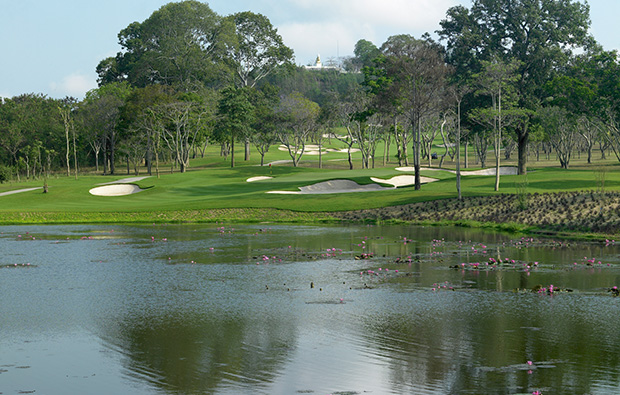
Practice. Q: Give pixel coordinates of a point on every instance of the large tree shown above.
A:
(415, 78)
(541, 34)
(143, 116)
(497, 81)
(365, 53)
(235, 116)
(181, 44)
(101, 112)
(257, 49)
(297, 120)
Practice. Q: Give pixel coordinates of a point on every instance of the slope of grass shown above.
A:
(211, 190)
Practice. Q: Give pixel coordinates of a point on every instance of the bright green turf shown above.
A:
(212, 184)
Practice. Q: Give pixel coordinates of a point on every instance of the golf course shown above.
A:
(583, 199)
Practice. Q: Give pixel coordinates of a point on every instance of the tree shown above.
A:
(416, 73)
(263, 134)
(12, 136)
(364, 126)
(496, 80)
(541, 34)
(26, 119)
(103, 110)
(257, 50)
(235, 116)
(183, 118)
(561, 131)
(298, 118)
(347, 110)
(180, 44)
(143, 115)
(458, 91)
(66, 109)
(365, 53)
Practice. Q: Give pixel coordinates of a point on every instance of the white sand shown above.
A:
(343, 151)
(313, 149)
(258, 178)
(503, 171)
(115, 190)
(279, 162)
(125, 180)
(334, 186)
(401, 181)
(19, 191)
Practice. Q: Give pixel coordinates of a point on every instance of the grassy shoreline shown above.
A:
(575, 215)
(548, 201)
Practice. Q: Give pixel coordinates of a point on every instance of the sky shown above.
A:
(52, 47)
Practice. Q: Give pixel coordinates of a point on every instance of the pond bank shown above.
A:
(584, 214)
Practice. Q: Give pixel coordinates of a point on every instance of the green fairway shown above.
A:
(211, 190)
(216, 188)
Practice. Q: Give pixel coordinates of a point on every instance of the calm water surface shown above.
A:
(263, 309)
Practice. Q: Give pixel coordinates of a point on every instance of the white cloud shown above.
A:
(318, 38)
(396, 14)
(76, 84)
(320, 26)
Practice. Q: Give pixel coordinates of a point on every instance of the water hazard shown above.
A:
(263, 309)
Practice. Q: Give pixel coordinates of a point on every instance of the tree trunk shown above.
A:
(385, 149)
(416, 156)
(498, 142)
(466, 161)
(112, 153)
(75, 164)
(67, 154)
(523, 137)
(458, 151)
(232, 152)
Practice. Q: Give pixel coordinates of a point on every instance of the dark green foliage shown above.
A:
(6, 173)
(314, 84)
(178, 45)
(540, 34)
(257, 50)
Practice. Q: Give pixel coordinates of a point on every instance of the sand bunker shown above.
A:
(334, 186)
(278, 162)
(401, 181)
(125, 180)
(503, 171)
(343, 151)
(313, 149)
(19, 191)
(115, 190)
(258, 178)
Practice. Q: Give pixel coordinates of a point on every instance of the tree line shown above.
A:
(518, 77)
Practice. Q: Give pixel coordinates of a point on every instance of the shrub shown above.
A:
(6, 173)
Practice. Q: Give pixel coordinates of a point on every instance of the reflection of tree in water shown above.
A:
(198, 354)
(461, 348)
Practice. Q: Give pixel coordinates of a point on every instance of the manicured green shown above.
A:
(212, 191)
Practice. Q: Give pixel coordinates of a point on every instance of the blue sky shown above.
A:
(53, 46)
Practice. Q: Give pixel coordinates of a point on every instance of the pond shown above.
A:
(273, 309)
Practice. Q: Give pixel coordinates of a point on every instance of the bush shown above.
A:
(6, 173)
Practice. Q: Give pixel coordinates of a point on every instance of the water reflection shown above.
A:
(473, 346)
(201, 353)
(304, 309)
